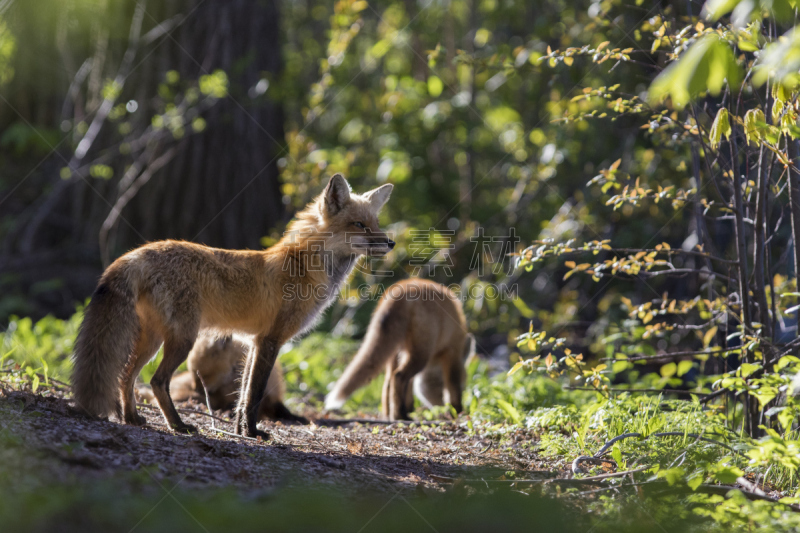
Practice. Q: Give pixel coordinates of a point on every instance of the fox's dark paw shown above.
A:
(296, 419)
(135, 419)
(252, 433)
(184, 428)
(256, 433)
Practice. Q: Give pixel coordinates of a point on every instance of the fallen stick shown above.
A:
(610, 443)
(591, 479)
(187, 411)
(650, 391)
(343, 421)
(213, 426)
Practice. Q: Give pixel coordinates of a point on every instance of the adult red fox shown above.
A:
(165, 292)
(418, 331)
(219, 362)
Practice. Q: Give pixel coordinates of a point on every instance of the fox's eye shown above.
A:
(359, 225)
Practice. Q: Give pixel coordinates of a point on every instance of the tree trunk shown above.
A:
(751, 408)
(794, 202)
(222, 188)
(759, 248)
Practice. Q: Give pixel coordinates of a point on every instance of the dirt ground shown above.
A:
(61, 470)
(355, 458)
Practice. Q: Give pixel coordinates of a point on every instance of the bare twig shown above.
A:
(187, 411)
(652, 391)
(127, 194)
(344, 421)
(672, 355)
(92, 131)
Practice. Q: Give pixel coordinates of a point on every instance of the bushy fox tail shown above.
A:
(105, 341)
(384, 340)
(469, 347)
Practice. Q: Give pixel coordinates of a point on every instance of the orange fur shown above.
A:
(169, 290)
(418, 332)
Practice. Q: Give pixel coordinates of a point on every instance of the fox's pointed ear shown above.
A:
(378, 197)
(336, 194)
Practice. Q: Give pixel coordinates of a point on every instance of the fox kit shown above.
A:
(165, 292)
(219, 362)
(418, 332)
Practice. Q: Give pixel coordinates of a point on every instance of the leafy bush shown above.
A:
(45, 345)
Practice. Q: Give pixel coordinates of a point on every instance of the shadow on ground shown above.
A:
(60, 471)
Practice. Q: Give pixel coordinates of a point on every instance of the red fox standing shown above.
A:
(165, 292)
(419, 332)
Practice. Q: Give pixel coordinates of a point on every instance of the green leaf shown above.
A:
(522, 307)
(721, 127)
(747, 46)
(516, 367)
(616, 454)
(656, 423)
(620, 366)
(784, 361)
(714, 9)
(672, 475)
(684, 367)
(510, 410)
(214, 84)
(764, 397)
(780, 61)
(704, 67)
(727, 474)
(751, 120)
(744, 11)
(435, 86)
(669, 370)
(747, 369)
(695, 480)
(786, 417)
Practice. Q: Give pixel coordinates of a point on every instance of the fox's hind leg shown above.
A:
(146, 347)
(387, 387)
(454, 378)
(410, 396)
(401, 382)
(176, 349)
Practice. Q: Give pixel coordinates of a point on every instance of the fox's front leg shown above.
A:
(256, 372)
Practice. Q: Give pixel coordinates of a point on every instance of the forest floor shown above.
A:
(357, 457)
(60, 470)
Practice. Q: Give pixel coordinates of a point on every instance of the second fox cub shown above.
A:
(418, 332)
(219, 362)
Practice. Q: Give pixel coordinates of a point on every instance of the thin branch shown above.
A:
(127, 196)
(92, 131)
(655, 391)
(187, 411)
(673, 355)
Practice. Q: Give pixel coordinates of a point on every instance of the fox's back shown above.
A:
(429, 311)
(229, 288)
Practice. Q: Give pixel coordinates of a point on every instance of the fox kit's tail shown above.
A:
(383, 340)
(105, 341)
(469, 347)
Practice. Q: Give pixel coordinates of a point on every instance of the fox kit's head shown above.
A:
(351, 220)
